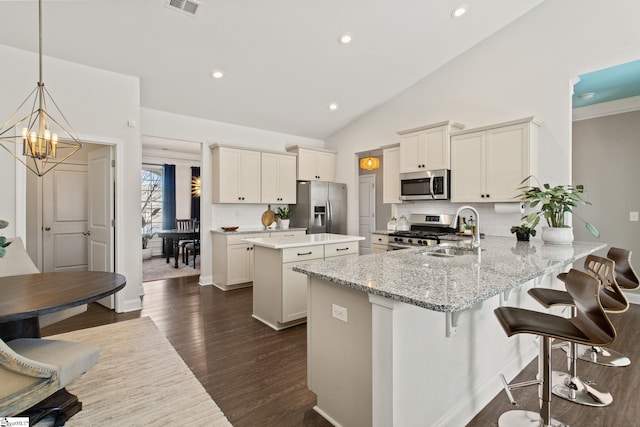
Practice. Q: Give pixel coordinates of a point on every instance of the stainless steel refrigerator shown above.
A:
(321, 207)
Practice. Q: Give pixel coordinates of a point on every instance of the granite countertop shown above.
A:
(382, 231)
(449, 284)
(301, 241)
(254, 230)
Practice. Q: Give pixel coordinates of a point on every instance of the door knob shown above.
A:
(47, 228)
(87, 233)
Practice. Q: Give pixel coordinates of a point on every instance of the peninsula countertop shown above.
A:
(450, 284)
(254, 230)
(303, 240)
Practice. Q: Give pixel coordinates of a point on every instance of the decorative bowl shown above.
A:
(234, 228)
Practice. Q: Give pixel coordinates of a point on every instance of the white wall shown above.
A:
(523, 70)
(174, 126)
(98, 105)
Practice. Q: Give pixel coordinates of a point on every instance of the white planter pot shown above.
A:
(283, 223)
(147, 253)
(557, 236)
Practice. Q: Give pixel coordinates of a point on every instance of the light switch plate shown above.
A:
(633, 216)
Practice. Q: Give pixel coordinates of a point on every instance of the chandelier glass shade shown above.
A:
(369, 163)
(45, 134)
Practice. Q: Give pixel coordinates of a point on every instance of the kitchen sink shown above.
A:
(451, 251)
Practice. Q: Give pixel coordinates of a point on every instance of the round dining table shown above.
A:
(26, 296)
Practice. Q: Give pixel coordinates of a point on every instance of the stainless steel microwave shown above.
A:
(425, 185)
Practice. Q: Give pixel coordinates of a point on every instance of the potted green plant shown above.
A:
(3, 240)
(284, 217)
(554, 203)
(524, 230)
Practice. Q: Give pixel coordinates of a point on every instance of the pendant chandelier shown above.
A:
(47, 140)
(195, 186)
(369, 163)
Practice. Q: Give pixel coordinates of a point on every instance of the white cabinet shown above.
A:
(315, 164)
(391, 175)
(379, 243)
(427, 147)
(233, 258)
(278, 178)
(236, 175)
(488, 164)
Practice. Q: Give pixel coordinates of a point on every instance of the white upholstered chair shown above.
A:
(32, 369)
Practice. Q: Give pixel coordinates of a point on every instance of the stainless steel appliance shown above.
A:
(425, 185)
(321, 207)
(425, 230)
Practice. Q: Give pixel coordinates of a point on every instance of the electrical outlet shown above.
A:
(633, 216)
(339, 312)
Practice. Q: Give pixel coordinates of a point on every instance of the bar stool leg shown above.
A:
(602, 356)
(542, 418)
(572, 388)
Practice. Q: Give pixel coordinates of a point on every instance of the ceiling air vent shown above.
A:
(189, 7)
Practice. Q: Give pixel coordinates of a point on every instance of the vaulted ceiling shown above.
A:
(282, 62)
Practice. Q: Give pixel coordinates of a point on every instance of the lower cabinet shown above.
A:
(279, 293)
(233, 258)
(379, 243)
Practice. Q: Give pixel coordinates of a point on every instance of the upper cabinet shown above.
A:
(391, 174)
(315, 164)
(278, 178)
(236, 175)
(427, 147)
(489, 163)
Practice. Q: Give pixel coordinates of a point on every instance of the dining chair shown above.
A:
(193, 246)
(32, 369)
(183, 225)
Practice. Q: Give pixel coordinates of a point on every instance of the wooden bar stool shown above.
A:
(590, 326)
(568, 385)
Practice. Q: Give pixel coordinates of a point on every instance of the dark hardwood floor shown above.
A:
(258, 376)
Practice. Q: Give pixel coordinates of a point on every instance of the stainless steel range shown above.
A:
(425, 230)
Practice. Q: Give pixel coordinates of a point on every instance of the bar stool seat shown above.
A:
(589, 326)
(626, 277)
(569, 385)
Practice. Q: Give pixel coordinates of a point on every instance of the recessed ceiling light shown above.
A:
(217, 74)
(459, 11)
(333, 106)
(346, 38)
(587, 95)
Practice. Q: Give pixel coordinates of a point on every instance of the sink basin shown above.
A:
(451, 251)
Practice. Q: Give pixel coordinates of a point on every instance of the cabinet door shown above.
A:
(240, 263)
(468, 168)
(411, 157)
(507, 155)
(306, 165)
(269, 181)
(286, 179)
(391, 176)
(294, 293)
(249, 176)
(326, 166)
(436, 148)
(226, 185)
(378, 249)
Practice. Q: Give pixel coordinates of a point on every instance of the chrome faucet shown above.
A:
(475, 240)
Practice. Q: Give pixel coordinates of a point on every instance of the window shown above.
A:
(151, 198)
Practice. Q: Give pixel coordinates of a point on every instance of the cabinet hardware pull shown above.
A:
(305, 253)
(342, 249)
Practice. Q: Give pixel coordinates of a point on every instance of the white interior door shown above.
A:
(64, 219)
(100, 225)
(367, 223)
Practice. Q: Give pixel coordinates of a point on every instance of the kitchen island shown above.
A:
(279, 293)
(409, 338)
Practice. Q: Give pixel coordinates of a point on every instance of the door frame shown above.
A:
(368, 178)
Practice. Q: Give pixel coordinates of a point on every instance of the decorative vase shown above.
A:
(557, 235)
(522, 237)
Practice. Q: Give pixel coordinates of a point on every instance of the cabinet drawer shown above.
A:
(237, 239)
(340, 249)
(285, 233)
(305, 253)
(379, 239)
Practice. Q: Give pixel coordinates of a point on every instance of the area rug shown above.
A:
(140, 380)
(157, 269)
